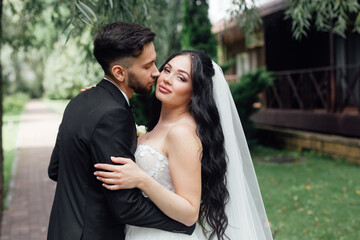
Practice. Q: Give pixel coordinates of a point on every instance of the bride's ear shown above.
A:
(119, 72)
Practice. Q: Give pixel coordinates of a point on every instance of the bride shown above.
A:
(194, 163)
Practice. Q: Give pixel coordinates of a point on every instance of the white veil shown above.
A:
(245, 209)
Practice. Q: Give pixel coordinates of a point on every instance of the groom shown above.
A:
(96, 125)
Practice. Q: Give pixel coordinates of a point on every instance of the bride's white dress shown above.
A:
(155, 164)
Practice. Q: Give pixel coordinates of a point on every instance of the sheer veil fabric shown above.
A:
(245, 209)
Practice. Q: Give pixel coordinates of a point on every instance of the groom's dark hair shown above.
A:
(120, 41)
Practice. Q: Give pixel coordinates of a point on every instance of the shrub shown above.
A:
(246, 94)
(15, 103)
(142, 108)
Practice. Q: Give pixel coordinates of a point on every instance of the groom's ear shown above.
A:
(119, 72)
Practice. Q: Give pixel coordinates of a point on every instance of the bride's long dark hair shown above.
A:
(214, 195)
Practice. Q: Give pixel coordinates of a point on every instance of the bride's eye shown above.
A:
(166, 69)
(182, 78)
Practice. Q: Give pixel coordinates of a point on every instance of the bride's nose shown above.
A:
(167, 79)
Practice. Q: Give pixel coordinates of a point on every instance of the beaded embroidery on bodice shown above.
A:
(155, 163)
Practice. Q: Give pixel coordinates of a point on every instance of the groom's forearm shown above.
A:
(139, 211)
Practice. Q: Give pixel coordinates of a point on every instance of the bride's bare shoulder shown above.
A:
(183, 136)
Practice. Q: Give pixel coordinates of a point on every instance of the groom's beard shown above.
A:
(137, 86)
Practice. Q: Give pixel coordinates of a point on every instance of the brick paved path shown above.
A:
(32, 191)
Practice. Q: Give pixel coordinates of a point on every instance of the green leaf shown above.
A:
(357, 24)
(69, 22)
(69, 35)
(86, 21)
(86, 11)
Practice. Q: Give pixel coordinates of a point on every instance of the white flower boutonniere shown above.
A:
(140, 130)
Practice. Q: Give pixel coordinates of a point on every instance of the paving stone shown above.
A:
(32, 192)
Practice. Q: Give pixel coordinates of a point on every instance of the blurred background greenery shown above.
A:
(47, 44)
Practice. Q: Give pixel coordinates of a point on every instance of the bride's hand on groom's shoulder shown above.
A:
(87, 88)
(126, 176)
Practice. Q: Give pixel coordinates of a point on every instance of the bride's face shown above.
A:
(174, 85)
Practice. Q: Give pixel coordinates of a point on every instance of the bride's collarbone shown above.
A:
(154, 138)
(157, 137)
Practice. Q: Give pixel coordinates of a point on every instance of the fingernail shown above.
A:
(95, 173)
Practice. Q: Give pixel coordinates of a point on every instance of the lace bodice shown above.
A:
(155, 163)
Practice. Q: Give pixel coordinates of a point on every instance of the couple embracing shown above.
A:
(190, 177)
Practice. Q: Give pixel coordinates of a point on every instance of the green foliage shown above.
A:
(35, 31)
(23, 23)
(196, 28)
(10, 129)
(63, 79)
(162, 16)
(166, 17)
(314, 198)
(14, 104)
(245, 94)
(142, 108)
(248, 19)
(22, 71)
(91, 15)
(330, 15)
(98, 13)
(29, 34)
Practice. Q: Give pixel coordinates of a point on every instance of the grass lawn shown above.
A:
(13, 106)
(313, 198)
(10, 137)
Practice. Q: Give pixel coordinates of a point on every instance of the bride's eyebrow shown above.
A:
(182, 71)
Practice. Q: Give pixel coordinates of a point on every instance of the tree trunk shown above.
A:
(1, 123)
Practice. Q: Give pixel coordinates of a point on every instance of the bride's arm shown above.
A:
(184, 154)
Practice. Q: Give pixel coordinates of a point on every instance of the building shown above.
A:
(316, 97)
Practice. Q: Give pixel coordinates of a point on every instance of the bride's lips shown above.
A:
(164, 89)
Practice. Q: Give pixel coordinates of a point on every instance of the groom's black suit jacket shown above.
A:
(97, 124)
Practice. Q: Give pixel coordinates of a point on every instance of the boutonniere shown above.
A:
(140, 130)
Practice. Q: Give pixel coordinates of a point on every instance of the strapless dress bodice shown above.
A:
(154, 163)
